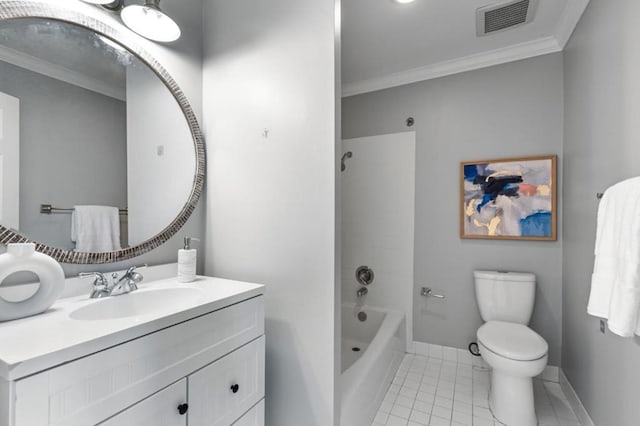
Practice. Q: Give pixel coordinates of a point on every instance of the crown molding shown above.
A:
(554, 43)
(569, 20)
(61, 73)
(468, 63)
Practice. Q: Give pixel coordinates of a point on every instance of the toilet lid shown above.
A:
(514, 341)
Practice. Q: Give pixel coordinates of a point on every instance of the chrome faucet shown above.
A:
(126, 283)
(362, 291)
(100, 284)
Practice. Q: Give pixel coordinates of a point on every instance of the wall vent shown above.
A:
(494, 18)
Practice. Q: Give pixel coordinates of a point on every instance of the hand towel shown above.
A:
(95, 228)
(615, 283)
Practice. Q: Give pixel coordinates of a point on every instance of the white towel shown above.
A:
(615, 283)
(95, 228)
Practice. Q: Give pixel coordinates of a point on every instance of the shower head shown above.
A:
(346, 155)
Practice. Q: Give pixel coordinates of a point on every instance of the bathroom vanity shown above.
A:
(167, 354)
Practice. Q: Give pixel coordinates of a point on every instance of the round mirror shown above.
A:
(101, 157)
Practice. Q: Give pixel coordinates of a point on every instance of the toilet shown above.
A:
(514, 352)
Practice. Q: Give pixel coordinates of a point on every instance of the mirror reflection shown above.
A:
(95, 152)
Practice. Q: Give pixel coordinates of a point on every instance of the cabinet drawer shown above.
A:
(224, 390)
(91, 389)
(160, 409)
(255, 416)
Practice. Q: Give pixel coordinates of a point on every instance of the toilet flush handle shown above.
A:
(428, 292)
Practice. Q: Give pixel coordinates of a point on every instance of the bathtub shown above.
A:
(372, 351)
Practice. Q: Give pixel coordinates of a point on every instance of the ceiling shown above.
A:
(386, 44)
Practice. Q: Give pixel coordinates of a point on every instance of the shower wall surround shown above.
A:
(378, 205)
(509, 110)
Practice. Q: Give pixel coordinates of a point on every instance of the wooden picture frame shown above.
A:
(509, 198)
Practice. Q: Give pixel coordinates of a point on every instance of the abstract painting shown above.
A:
(513, 198)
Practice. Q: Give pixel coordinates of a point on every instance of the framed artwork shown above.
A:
(512, 198)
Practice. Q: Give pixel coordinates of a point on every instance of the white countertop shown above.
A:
(33, 344)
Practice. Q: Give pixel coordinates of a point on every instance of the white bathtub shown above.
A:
(367, 374)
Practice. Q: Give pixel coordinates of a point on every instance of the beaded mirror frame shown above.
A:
(34, 9)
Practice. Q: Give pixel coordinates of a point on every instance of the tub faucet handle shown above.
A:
(428, 292)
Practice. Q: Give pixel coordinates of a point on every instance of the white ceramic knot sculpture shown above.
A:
(23, 257)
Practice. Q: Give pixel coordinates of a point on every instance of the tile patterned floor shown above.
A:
(436, 392)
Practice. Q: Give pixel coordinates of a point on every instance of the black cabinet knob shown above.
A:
(182, 408)
(235, 388)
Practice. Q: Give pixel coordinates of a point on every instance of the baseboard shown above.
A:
(446, 353)
(551, 373)
(574, 400)
(463, 356)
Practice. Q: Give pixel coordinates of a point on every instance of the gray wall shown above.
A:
(508, 110)
(601, 147)
(66, 134)
(271, 200)
(183, 60)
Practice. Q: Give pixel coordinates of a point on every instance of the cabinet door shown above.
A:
(255, 416)
(221, 392)
(161, 409)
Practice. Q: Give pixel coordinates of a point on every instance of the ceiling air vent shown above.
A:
(494, 18)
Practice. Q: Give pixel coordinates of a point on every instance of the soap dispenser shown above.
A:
(187, 258)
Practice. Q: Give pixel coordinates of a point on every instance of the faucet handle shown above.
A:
(135, 267)
(99, 277)
(100, 285)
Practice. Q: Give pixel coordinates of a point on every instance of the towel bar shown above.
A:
(49, 209)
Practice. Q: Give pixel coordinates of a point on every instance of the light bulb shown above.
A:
(150, 22)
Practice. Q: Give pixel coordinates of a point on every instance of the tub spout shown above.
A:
(362, 291)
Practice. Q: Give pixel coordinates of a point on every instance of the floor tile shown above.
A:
(405, 401)
(396, 421)
(400, 411)
(437, 421)
(425, 407)
(381, 417)
(444, 413)
(435, 392)
(465, 419)
(419, 417)
(443, 402)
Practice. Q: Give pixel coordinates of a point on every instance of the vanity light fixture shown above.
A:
(150, 22)
(108, 4)
(98, 1)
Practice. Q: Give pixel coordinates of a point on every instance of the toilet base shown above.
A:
(511, 399)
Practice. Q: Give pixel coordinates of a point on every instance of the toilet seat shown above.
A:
(514, 341)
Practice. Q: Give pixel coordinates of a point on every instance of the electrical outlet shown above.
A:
(602, 324)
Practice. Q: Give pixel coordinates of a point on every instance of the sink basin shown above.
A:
(138, 303)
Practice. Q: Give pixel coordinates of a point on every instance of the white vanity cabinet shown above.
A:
(219, 394)
(206, 371)
(159, 409)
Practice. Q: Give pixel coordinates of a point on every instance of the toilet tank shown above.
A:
(505, 296)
